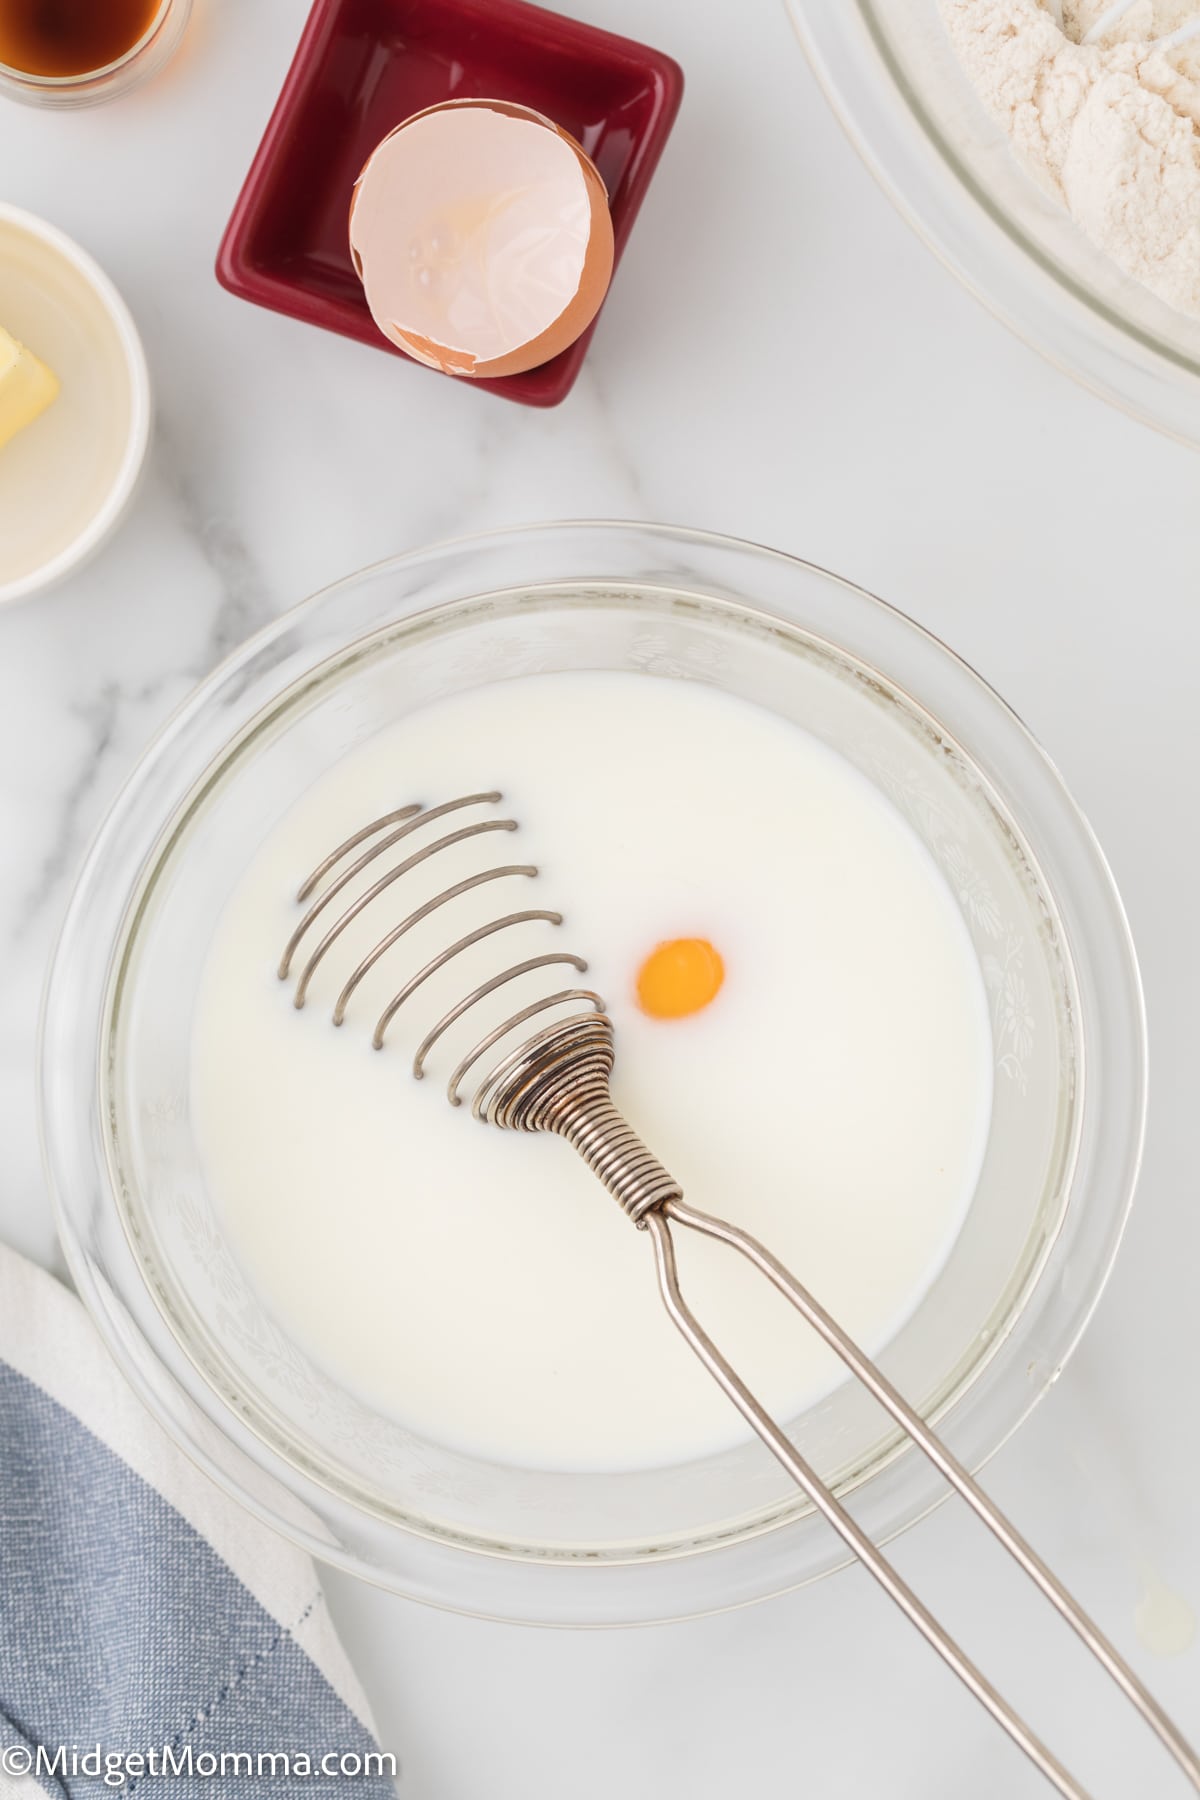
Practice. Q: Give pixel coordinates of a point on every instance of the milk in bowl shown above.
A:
(833, 1094)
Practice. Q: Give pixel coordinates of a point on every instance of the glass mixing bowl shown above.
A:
(895, 81)
(148, 1250)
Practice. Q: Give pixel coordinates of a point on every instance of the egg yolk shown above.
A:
(679, 978)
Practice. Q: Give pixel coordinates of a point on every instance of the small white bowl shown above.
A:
(67, 480)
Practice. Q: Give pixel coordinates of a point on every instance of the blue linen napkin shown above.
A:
(155, 1638)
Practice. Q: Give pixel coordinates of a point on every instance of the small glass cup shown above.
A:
(152, 51)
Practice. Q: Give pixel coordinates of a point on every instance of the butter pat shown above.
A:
(27, 387)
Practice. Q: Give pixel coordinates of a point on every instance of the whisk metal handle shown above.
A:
(657, 1223)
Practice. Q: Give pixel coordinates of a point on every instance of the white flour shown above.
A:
(1111, 129)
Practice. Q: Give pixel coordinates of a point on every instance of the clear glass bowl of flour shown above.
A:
(915, 114)
(148, 1248)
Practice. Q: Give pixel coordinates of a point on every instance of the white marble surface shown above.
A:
(782, 360)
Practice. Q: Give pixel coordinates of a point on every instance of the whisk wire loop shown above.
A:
(556, 958)
(351, 843)
(435, 963)
(413, 818)
(359, 906)
(414, 918)
(564, 997)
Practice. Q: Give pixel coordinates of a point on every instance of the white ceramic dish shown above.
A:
(67, 480)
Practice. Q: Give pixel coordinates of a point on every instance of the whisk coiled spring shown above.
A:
(554, 1076)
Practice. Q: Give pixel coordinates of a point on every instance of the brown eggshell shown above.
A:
(579, 308)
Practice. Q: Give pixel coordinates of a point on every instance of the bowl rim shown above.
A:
(112, 508)
(1080, 332)
(167, 1395)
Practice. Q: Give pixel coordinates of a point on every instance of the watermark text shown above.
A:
(118, 1768)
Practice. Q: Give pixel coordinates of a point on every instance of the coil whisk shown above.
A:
(546, 1066)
